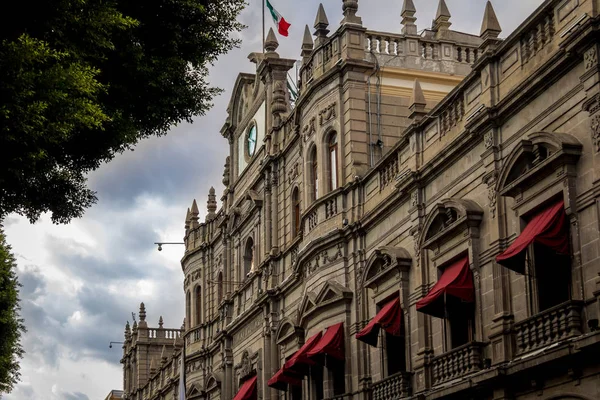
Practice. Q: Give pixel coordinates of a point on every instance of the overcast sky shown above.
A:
(82, 281)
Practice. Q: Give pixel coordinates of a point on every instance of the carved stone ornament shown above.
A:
(309, 129)
(595, 125)
(488, 139)
(490, 180)
(590, 58)
(327, 114)
(245, 367)
(293, 173)
(414, 198)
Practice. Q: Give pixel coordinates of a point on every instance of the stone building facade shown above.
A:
(421, 222)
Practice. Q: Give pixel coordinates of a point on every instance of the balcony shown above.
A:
(550, 326)
(395, 386)
(458, 362)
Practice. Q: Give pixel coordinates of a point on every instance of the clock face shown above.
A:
(251, 140)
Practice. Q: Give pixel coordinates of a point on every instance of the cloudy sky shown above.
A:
(82, 281)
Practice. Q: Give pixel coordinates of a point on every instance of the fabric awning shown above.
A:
(389, 318)
(283, 378)
(548, 228)
(456, 281)
(331, 344)
(300, 360)
(247, 391)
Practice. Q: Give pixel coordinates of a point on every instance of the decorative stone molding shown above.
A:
(490, 180)
(293, 173)
(327, 114)
(309, 129)
(595, 129)
(590, 58)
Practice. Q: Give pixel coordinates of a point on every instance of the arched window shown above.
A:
(198, 305)
(295, 212)
(188, 306)
(220, 288)
(314, 174)
(333, 161)
(249, 257)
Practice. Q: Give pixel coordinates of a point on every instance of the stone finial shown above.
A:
(307, 45)
(271, 44)
(226, 171)
(134, 328)
(194, 215)
(152, 367)
(127, 331)
(408, 18)
(187, 220)
(321, 24)
(417, 102)
(490, 27)
(442, 17)
(211, 204)
(350, 7)
(160, 322)
(142, 313)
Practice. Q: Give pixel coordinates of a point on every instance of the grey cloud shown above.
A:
(32, 282)
(74, 396)
(23, 391)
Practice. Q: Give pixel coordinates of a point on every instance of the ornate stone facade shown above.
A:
(372, 185)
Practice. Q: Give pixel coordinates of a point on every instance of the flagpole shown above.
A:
(263, 26)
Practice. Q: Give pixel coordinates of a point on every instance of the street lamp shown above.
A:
(160, 244)
(111, 343)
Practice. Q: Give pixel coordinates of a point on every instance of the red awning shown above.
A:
(283, 378)
(456, 281)
(389, 318)
(300, 358)
(331, 344)
(247, 391)
(548, 228)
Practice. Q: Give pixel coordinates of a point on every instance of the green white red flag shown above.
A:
(282, 24)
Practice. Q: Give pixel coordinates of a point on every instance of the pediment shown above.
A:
(541, 155)
(448, 218)
(308, 303)
(331, 292)
(193, 390)
(242, 98)
(383, 260)
(287, 331)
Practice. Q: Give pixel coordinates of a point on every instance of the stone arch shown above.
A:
(296, 211)
(249, 255)
(384, 259)
(448, 215)
(537, 149)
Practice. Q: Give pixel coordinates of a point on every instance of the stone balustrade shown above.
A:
(458, 362)
(380, 43)
(395, 386)
(550, 326)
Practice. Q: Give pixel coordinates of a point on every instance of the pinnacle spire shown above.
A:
(187, 219)
(490, 24)
(417, 96)
(442, 10)
(271, 43)
(142, 313)
(163, 354)
(211, 204)
(321, 18)
(417, 102)
(194, 215)
(408, 18)
(408, 7)
(160, 322)
(321, 24)
(442, 18)
(307, 45)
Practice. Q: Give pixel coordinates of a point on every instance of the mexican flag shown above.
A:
(282, 24)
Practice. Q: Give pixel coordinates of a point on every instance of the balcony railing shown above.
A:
(458, 362)
(550, 326)
(395, 386)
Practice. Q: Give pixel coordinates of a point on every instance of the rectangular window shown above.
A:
(316, 381)
(551, 276)
(333, 164)
(460, 322)
(394, 353)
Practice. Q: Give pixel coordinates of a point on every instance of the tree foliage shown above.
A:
(11, 325)
(82, 80)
